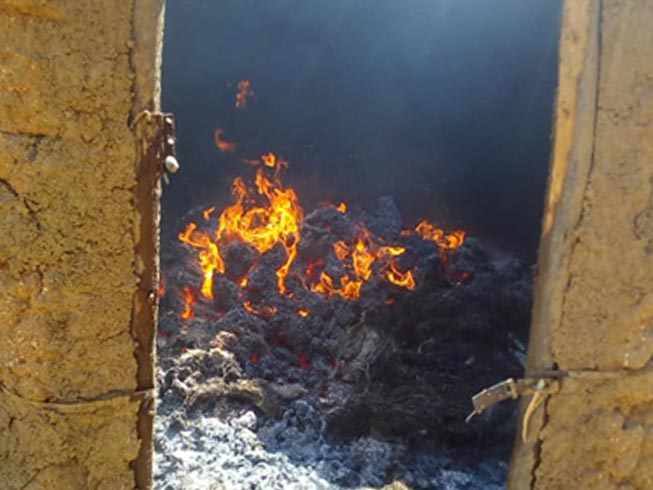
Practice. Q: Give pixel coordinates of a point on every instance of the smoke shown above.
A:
(446, 105)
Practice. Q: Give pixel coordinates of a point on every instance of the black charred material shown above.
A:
(414, 366)
(395, 364)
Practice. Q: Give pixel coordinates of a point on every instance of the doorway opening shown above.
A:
(346, 252)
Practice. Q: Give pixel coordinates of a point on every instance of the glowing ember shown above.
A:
(314, 268)
(303, 361)
(162, 285)
(245, 92)
(332, 363)
(221, 144)
(189, 299)
(303, 313)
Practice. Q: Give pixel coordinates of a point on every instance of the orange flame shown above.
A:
(162, 285)
(448, 241)
(207, 213)
(262, 311)
(303, 313)
(265, 214)
(403, 279)
(361, 258)
(189, 300)
(209, 256)
(349, 288)
(222, 145)
(265, 226)
(276, 221)
(341, 208)
(245, 92)
(269, 160)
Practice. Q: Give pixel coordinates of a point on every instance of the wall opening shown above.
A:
(329, 340)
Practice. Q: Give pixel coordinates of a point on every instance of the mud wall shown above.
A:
(72, 77)
(593, 317)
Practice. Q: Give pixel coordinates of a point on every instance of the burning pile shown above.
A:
(267, 217)
(376, 330)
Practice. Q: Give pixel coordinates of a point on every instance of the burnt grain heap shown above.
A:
(341, 349)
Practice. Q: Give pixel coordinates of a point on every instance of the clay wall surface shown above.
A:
(593, 317)
(69, 229)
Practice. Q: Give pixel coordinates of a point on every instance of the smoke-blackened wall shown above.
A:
(445, 105)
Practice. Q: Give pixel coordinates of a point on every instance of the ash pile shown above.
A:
(309, 366)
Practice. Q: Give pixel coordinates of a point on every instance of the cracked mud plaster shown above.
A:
(73, 447)
(609, 297)
(67, 278)
(599, 435)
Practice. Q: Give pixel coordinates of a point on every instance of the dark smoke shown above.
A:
(444, 104)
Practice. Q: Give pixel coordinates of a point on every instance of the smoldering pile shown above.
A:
(377, 387)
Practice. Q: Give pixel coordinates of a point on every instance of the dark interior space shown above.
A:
(339, 345)
(444, 105)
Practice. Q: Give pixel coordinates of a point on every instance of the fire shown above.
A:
(265, 214)
(209, 256)
(245, 92)
(341, 208)
(276, 222)
(348, 289)
(208, 212)
(189, 300)
(262, 215)
(262, 310)
(447, 241)
(162, 285)
(269, 160)
(360, 259)
(403, 279)
(221, 144)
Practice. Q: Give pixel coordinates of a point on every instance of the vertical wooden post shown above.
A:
(593, 314)
(78, 233)
(154, 142)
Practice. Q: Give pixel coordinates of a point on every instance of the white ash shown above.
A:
(241, 451)
(389, 376)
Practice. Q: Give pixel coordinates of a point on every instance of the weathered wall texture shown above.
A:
(593, 318)
(69, 229)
